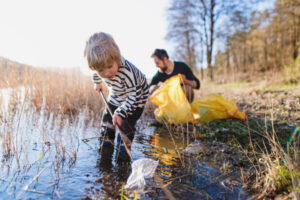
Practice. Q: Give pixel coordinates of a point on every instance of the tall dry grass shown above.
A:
(64, 92)
(49, 109)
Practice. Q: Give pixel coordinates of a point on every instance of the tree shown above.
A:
(182, 32)
(260, 41)
(252, 40)
(193, 24)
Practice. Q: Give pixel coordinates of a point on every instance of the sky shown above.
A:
(52, 33)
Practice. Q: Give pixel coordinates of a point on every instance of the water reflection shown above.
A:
(184, 179)
(165, 149)
(113, 170)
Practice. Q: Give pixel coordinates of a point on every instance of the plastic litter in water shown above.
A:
(141, 169)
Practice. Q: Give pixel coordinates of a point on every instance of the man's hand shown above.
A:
(99, 87)
(117, 120)
(185, 81)
(155, 87)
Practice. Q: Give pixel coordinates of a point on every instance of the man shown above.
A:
(168, 68)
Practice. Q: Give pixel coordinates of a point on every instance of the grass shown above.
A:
(123, 196)
(274, 175)
(236, 84)
(270, 175)
(291, 73)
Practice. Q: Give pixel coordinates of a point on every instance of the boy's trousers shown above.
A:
(127, 126)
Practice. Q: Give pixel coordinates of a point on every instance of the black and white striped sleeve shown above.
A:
(136, 88)
(96, 78)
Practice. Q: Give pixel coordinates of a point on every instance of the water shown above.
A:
(67, 165)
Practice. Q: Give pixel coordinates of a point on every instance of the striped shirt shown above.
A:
(128, 90)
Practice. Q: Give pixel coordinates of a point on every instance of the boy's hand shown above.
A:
(117, 120)
(99, 87)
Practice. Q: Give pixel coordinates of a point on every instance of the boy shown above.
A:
(128, 88)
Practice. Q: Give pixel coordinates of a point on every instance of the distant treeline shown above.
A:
(251, 40)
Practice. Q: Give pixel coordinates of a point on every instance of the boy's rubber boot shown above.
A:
(106, 135)
(106, 149)
(105, 157)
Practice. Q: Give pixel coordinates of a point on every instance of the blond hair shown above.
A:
(101, 51)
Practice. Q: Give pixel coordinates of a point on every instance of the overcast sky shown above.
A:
(53, 33)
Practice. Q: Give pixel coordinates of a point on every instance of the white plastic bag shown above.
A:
(141, 169)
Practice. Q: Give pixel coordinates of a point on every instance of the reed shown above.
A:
(47, 108)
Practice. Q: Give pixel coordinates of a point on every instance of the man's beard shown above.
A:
(164, 68)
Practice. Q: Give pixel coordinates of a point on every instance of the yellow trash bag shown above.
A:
(214, 106)
(173, 107)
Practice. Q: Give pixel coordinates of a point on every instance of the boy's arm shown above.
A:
(127, 106)
(136, 87)
(97, 79)
(138, 95)
(99, 86)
